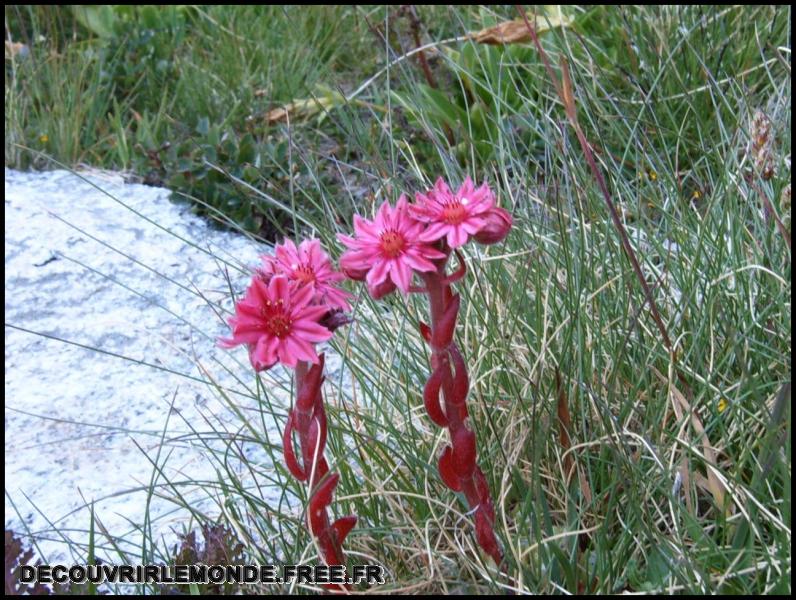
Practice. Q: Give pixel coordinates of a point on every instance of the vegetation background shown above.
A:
(629, 345)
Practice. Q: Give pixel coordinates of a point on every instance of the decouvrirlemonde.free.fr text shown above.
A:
(203, 574)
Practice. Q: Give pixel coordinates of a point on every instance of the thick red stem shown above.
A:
(458, 466)
(308, 421)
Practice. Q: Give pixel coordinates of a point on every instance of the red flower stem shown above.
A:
(466, 473)
(308, 420)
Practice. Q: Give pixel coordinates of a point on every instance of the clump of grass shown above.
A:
(175, 95)
(618, 462)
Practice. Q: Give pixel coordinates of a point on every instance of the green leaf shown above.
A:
(247, 150)
(99, 19)
(452, 114)
(203, 126)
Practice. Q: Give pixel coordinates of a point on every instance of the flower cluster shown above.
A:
(293, 303)
(420, 238)
(416, 237)
(287, 305)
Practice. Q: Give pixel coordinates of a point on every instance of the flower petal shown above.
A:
(378, 272)
(310, 331)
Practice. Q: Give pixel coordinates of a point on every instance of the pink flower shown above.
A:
(277, 323)
(456, 216)
(307, 265)
(496, 228)
(387, 247)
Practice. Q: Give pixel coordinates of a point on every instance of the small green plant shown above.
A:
(210, 165)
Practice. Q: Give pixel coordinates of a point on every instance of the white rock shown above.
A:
(72, 413)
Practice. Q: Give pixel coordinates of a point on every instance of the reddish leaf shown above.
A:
(482, 488)
(459, 273)
(447, 389)
(461, 382)
(343, 526)
(309, 388)
(319, 402)
(383, 289)
(330, 550)
(425, 331)
(447, 472)
(321, 469)
(287, 447)
(464, 452)
(485, 536)
(323, 495)
(316, 437)
(431, 398)
(442, 335)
